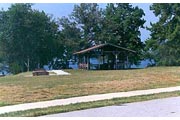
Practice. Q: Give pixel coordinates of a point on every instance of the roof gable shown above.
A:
(100, 46)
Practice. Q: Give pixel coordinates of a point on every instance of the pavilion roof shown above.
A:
(101, 46)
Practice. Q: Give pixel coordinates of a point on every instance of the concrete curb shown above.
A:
(45, 104)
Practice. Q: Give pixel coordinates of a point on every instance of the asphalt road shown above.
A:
(168, 107)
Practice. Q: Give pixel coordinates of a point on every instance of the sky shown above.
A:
(64, 9)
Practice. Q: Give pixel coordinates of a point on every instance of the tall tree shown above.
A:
(71, 35)
(13, 22)
(89, 18)
(163, 46)
(121, 26)
(70, 38)
(27, 37)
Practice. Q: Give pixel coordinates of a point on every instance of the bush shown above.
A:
(15, 68)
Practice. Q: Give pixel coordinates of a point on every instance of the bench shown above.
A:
(39, 72)
(83, 66)
(2, 75)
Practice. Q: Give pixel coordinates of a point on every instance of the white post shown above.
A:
(28, 65)
(116, 56)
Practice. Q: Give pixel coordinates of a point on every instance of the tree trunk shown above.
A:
(67, 64)
(27, 64)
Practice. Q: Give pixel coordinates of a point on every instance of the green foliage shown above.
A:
(89, 17)
(30, 38)
(163, 46)
(27, 37)
(70, 36)
(15, 68)
(121, 27)
(118, 24)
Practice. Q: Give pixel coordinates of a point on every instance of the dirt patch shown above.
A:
(11, 94)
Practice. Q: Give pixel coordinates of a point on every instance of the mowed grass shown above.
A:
(18, 89)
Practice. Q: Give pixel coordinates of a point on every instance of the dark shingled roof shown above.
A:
(102, 45)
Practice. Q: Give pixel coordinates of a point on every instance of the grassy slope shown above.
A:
(19, 89)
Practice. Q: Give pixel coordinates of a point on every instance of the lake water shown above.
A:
(143, 64)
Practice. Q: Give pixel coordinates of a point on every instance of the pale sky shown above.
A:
(64, 9)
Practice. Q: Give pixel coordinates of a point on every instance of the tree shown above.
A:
(163, 46)
(70, 36)
(118, 24)
(27, 37)
(89, 18)
(11, 43)
(3, 64)
(121, 26)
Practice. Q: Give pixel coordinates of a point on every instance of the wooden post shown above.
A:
(128, 66)
(88, 62)
(99, 60)
(108, 62)
(79, 61)
(103, 59)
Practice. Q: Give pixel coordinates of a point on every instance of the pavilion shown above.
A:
(109, 57)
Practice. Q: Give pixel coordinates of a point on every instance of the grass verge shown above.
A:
(87, 105)
(17, 89)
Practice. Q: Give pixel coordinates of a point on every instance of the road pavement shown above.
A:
(168, 107)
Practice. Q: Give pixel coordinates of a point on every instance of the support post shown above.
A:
(79, 61)
(128, 66)
(103, 59)
(99, 61)
(88, 62)
(116, 56)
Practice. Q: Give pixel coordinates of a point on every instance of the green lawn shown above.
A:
(20, 89)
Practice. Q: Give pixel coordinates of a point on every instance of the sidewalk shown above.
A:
(44, 104)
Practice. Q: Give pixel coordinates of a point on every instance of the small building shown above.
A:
(108, 56)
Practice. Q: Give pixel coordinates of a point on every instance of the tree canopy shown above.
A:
(121, 26)
(163, 46)
(117, 24)
(89, 18)
(30, 38)
(27, 37)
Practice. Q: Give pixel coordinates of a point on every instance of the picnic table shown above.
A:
(2, 75)
(39, 72)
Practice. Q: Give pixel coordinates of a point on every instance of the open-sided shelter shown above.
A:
(109, 57)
